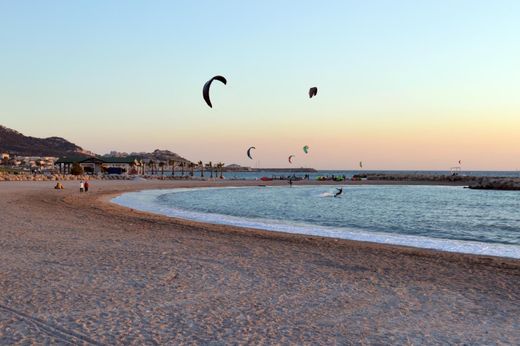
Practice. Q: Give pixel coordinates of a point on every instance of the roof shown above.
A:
(83, 159)
(77, 159)
(127, 159)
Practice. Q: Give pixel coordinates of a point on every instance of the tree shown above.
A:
(161, 164)
(183, 164)
(76, 169)
(151, 164)
(172, 164)
(209, 165)
(220, 166)
(201, 165)
(192, 167)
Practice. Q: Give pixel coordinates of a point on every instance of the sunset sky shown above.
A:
(402, 84)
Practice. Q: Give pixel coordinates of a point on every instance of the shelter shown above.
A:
(96, 165)
(120, 165)
(91, 165)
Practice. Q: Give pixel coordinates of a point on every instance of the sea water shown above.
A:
(347, 173)
(435, 217)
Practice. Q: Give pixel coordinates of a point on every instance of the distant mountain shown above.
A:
(156, 155)
(15, 143)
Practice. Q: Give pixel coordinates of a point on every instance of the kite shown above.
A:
(205, 89)
(313, 92)
(249, 152)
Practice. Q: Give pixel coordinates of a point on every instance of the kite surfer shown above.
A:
(339, 192)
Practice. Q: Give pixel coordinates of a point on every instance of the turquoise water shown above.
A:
(438, 217)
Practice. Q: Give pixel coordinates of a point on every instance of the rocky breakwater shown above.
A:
(64, 177)
(417, 177)
(496, 184)
(478, 183)
(55, 177)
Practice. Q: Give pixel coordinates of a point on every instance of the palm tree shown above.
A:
(201, 165)
(183, 163)
(221, 166)
(192, 167)
(217, 167)
(209, 165)
(172, 163)
(151, 164)
(161, 164)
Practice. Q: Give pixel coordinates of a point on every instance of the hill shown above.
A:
(156, 155)
(15, 143)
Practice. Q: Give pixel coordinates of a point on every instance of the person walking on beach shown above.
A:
(86, 185)
(81, 186)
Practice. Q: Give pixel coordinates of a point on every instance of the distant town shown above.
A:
(22, 155)
(159, 162)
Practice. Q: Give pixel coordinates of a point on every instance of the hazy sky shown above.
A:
(402, 84)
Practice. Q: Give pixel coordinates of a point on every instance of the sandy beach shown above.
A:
(77, 269)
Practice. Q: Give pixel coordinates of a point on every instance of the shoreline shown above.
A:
(299, 229)
(104, 273)
(106, 200)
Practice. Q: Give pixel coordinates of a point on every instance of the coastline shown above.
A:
(144, 201)
(89, 265)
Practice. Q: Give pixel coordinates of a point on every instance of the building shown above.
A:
(121, 165)
(236, 168)
(36, 162)
(90, 165)
(96, 165)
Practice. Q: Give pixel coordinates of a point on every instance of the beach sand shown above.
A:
(77, 269)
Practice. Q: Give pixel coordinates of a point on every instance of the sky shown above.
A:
(401, 84)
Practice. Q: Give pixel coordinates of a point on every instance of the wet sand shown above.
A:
(77, 269)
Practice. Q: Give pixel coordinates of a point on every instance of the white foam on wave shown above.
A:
(147, 201)
(326, 194)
